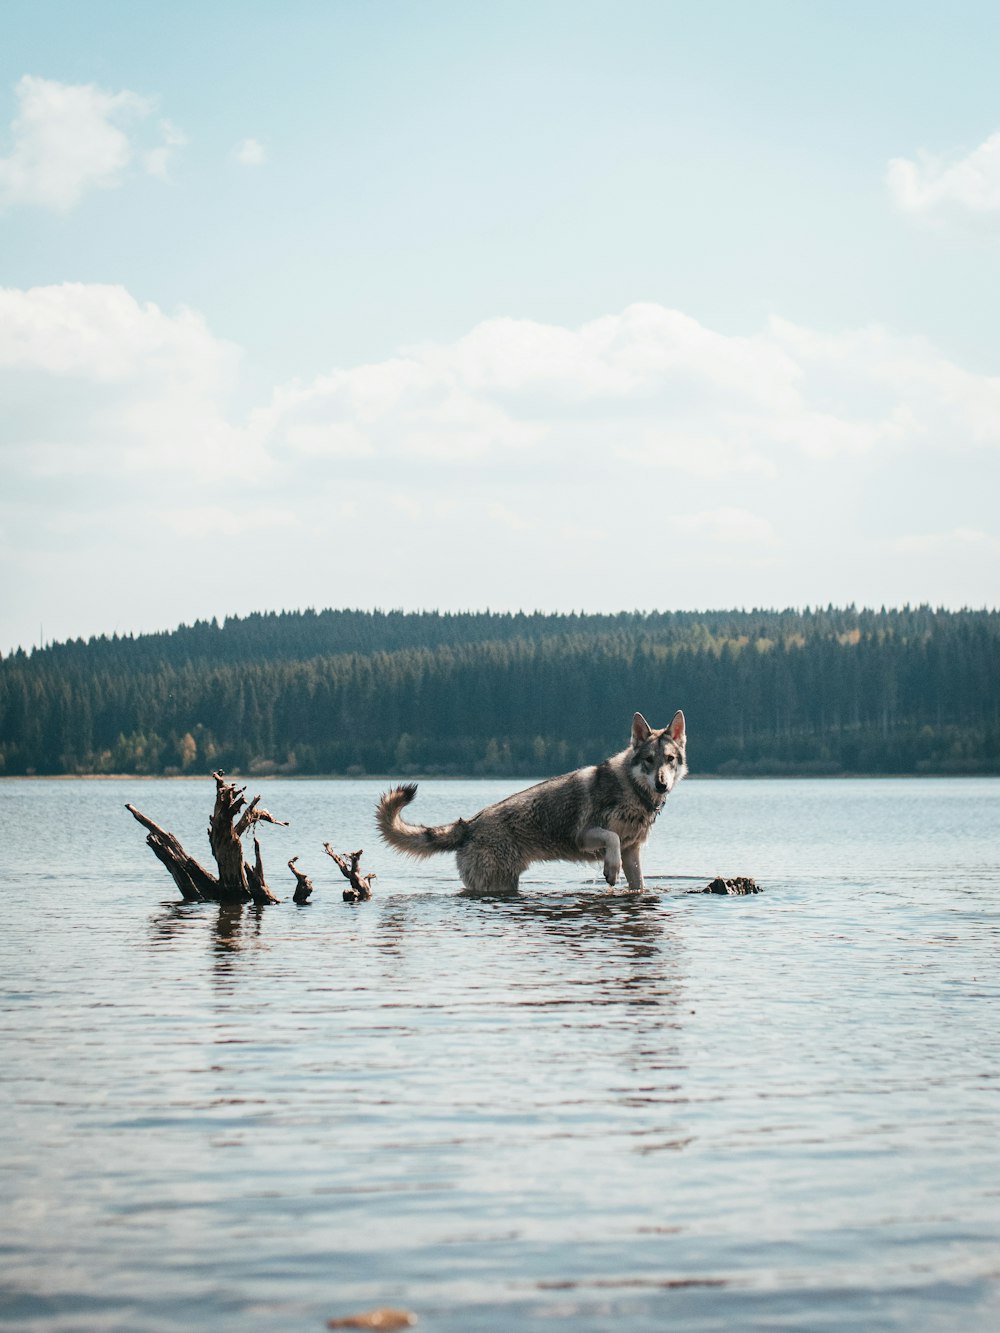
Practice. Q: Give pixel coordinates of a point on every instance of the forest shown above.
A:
(343, 692)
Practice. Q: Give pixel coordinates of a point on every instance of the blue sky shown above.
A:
(547, 305)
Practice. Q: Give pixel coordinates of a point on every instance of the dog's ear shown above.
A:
(641, 730)
(677, 732)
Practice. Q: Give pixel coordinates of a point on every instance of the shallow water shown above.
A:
(568, 1109)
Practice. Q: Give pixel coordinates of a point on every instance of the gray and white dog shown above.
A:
(603, 812)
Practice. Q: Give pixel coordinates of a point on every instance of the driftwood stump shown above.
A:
(360, 886)
(303, 884)
(236, 881)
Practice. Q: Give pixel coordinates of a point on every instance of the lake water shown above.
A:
(568, 1110)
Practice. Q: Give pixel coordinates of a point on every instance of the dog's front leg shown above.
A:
(602, 839)
(632, 865)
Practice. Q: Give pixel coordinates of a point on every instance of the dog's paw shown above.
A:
(612, 869)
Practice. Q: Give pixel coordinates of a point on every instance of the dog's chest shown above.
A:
(630, 823)
(617, 809)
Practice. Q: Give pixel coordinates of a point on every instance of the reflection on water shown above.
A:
(236, 927)
(564, 1107)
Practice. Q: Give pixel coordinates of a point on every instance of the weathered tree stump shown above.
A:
(303, 884)
(360, 886)
(236, 882)
(738, 885)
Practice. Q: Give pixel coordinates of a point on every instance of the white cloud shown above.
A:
(68, 139)
(88, 373)
(419, 507)
(728, 525)
(198, 520)
(777, 464)
(100, 332)
(250, 153)
(971, 182)
(505, 515)
(649, 387)
(90, 379)
(867, 389)
(958, 540)
(402, 406)
(700, 454)
(157, 160)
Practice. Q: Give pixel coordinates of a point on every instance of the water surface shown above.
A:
(567, 1109)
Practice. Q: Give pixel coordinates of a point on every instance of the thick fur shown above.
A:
(604, 812)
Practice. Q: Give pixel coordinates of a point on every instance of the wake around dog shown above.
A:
(602, 812)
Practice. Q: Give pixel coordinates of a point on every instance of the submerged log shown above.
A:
(303, 884)
(360, 886)
(236, 882)
(737, 885)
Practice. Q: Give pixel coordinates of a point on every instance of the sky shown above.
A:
(558, 306)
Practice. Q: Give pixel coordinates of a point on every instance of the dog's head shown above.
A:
(658, 757)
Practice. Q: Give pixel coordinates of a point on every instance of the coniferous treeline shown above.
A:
(910, 690)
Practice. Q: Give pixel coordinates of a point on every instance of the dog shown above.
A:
(604, 812)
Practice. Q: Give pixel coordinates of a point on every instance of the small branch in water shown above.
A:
(303, 884)
(360, 889)
(256, 882)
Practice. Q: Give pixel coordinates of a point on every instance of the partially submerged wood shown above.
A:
(256, 882)
(303, 884)
(360, 886)
(193, 880)
(237, 882)
(739, 884)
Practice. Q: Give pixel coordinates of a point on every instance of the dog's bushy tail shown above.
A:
(415, 839)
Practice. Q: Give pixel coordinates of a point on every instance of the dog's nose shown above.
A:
(661, 786)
